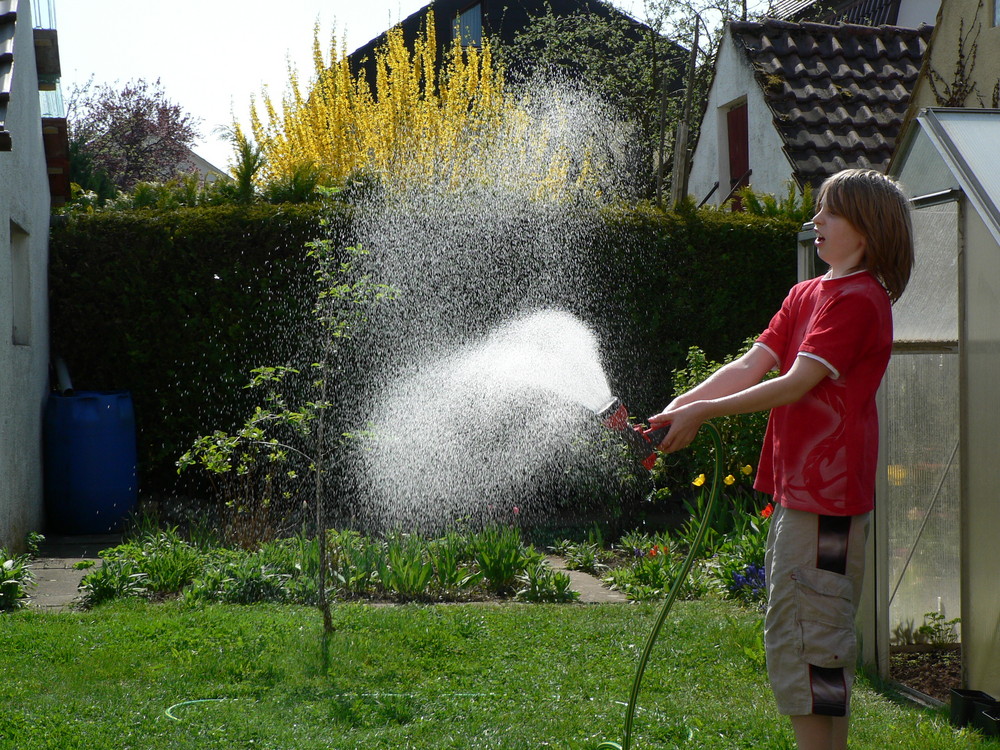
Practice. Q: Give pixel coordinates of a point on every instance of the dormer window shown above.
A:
(468, 26)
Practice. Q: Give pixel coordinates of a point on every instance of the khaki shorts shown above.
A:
(815, 566)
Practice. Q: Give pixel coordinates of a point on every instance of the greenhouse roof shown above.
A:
(948, 150)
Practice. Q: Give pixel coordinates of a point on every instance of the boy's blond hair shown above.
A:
(875, 205)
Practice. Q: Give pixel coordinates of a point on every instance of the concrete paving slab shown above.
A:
(59, 568)
(592, 591)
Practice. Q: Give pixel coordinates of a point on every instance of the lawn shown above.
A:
(140, 675)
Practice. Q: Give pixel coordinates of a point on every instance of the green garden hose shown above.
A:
(674, 589)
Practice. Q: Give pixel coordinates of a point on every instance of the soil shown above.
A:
(933, 672)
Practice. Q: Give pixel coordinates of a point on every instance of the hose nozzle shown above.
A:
(643, 440)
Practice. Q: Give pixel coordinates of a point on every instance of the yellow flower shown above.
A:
(730, 479)
(748, 469)
(897, 474)
(699, 481)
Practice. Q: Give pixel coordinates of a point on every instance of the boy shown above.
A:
(830, 342)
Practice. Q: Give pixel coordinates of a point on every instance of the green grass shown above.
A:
(447, 676)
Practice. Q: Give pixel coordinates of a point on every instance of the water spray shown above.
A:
(644, 441)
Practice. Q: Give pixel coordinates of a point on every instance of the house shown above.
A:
(908, 13)
(496, 19)
(799, 101)
(207, 172)
(963, 66)
(24, 226)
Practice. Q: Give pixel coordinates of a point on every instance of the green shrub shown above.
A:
(586, 557)
(451, 557)
(115, 579)
(540, 583)
(799, 207)
(166, 561)
(501, 557)
(742, 437)
(15, 577)
(177, 306)
(405, 567)
(240, 582)
(33, 542)
(652, 575)
(663, 282)
(739, 561)
(354, 561)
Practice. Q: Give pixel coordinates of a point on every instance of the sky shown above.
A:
(212, 57)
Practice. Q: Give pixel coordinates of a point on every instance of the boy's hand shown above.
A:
(684, 423)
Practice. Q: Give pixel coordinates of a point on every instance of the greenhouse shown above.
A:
(934, 551)
(937, 525)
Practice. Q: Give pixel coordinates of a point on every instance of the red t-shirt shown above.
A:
(820, 453)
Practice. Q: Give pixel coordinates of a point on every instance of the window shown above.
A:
(20, 280)
(468, 28)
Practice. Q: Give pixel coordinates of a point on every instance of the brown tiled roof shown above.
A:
(838, 93)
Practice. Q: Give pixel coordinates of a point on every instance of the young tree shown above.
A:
(127, 135)
(281, 435)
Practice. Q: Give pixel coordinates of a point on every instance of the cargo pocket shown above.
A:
(825, 618)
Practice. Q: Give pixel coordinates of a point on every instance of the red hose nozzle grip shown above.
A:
(642, 439)
(653, 437)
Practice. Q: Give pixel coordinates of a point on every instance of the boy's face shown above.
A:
(838, 243)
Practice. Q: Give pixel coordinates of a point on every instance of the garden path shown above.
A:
(592, 591)
(57, 581)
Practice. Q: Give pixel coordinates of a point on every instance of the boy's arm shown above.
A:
(685, 419)
(732, 378)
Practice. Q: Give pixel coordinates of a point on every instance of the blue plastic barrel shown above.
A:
(90, 461)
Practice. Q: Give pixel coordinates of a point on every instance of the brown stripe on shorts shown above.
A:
(829, 688)
(831, 544)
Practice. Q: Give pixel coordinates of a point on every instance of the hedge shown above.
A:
(177, 306)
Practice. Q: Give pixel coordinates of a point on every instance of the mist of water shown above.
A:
(482, 378)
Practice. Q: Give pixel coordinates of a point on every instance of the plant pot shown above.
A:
(987, 720)
(964, 708)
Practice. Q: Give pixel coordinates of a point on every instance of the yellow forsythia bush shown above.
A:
(450, 124)
(416, 121)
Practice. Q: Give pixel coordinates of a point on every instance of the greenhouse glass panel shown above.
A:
(924, 171)
(922, 500)
(973, 137)
(928, 310)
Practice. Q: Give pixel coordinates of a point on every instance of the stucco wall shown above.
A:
(24, 224)
(956, 19)
(734, 83)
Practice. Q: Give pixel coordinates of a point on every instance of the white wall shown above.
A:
(734, 83)
(24, 227)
